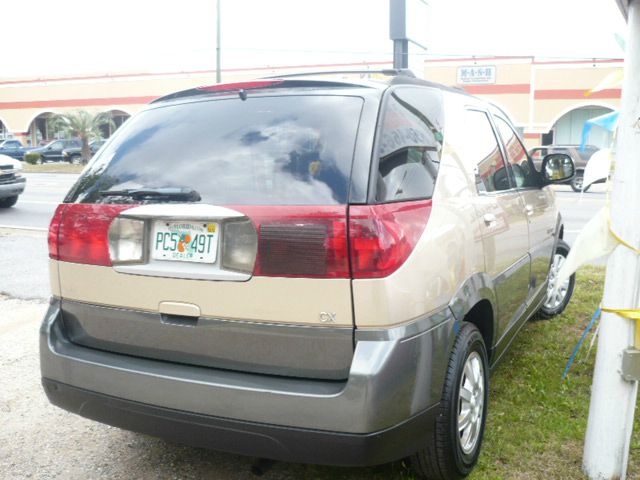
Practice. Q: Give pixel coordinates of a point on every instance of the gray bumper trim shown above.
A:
(389, 382)
(14, 188)
(248, 438)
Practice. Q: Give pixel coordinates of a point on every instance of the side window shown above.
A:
(57, 145)
(483, 150)
(523, 171)
(410, 144)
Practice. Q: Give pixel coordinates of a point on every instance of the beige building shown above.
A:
(547, 100)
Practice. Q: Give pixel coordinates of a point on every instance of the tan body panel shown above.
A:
(297, 301)
(448, 252)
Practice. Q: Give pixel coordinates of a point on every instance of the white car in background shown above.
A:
(12, 182)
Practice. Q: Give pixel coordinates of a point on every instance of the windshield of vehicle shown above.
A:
(287, 150)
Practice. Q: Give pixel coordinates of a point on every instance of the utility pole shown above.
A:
(407, 24)
(615, 385)
(218, 71)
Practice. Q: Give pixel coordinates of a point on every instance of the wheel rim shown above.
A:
(555, 297)
(578, 183)
(471, 403)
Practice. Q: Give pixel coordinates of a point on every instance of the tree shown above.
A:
(83, 125)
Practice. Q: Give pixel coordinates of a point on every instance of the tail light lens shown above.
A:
(315, 242)
(82, 233)
(383, 236)
(126, 240)
(239, 246)
(300, 241)
(54, 231)
(370, 241)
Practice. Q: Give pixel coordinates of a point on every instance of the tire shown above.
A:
(554, 304)
(8, 201)
(576, 182)
(450, 455)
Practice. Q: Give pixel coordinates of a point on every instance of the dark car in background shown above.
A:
(74, 154)
(579, 155)
(52, 152)
(12, 148)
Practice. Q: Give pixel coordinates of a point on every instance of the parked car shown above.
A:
(52, 152)
(579, 155)
(327, 274)
(12, 182)
(74, 154)
(13, 149)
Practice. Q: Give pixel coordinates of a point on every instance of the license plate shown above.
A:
(185, 241)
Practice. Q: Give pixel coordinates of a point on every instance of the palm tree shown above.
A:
(83, 125)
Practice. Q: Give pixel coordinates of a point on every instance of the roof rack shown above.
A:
(390, 72)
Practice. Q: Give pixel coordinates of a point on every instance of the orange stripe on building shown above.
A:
(497, 89)
(76, 102)
(532, 136)
(576, 94)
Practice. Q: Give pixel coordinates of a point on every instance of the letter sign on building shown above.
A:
(476, 74)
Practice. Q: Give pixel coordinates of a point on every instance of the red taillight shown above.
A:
(234, 87)
(81, 231)
(314, 242)
(383, 236)
(54, 229)
(300, 241)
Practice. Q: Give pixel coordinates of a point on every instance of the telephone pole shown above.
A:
(615, 378)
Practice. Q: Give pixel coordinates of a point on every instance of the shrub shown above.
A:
(32, 157)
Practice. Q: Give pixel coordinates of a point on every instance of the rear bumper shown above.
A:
(248, 438)
(16, 187)
(383, 411)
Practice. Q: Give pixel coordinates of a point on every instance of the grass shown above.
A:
(57, 167)
(537, 421)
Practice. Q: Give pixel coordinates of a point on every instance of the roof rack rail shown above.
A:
(390, 72)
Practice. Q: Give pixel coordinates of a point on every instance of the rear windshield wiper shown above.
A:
(169, 193)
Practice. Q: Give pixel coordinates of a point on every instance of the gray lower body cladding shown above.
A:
(381, 412)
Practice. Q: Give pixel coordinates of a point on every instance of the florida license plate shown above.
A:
(185, 241)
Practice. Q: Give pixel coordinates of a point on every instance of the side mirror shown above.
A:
(558, 168)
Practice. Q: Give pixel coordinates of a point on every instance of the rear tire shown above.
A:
(8, 201)
(555, 303)
(453, 450)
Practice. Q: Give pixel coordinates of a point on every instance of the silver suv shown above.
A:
(303, 269)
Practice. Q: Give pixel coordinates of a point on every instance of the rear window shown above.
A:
(288, 150)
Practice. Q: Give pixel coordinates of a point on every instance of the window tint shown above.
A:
(287, 150)
(409, 145)
(481, 147)
(523, 172)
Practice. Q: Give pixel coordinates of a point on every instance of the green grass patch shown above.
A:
(52, 168)
(537, 421)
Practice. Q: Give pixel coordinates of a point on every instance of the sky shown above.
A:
(44, 38)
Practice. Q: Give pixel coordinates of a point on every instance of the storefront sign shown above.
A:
(476, 74)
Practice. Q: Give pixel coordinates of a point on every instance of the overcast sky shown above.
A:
(46, 37)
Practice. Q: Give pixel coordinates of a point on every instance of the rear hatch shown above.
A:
(212, 231)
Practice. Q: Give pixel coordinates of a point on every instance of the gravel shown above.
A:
(40, 441)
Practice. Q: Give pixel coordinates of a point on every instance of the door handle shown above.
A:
(489, 218)
(528, 209)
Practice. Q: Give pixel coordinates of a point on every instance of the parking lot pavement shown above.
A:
(40, 441)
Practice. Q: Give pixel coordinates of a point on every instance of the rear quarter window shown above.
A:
(409, 144)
